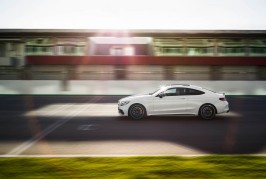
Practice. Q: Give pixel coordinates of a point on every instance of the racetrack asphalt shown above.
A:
(91, 126)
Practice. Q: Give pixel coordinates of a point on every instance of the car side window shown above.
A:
(175, 92)
(180, 91)
(170, 92)
(190, 91)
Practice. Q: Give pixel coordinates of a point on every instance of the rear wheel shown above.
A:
(207, 112)
(137, 111)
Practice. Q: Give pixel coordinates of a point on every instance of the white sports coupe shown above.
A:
(178, 99)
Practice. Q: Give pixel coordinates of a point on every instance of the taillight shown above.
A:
(222, 99)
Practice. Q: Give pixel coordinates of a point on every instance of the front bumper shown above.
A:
(120, 111)
(123, 110)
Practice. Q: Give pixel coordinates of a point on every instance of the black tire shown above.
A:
(137, 112)
(207, 112)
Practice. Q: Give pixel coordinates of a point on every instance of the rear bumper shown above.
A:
(222, 107)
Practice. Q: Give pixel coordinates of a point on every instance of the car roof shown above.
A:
(183, 85)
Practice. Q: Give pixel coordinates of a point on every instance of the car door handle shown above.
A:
(183, 98)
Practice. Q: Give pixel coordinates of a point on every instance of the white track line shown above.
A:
(59, 109)
(26, 145)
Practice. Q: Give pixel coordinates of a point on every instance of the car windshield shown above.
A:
(161, 88)
(154, 92)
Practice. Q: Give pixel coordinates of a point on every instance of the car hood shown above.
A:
(138, 96)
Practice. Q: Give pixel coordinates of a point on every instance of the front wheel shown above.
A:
(207, 112)
(137, 111)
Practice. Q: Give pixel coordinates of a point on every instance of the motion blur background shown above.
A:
(66, 59)
(58, 47)
(179, 41)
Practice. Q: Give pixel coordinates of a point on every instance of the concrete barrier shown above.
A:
(121, 87)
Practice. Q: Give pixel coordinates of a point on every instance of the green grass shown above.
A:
(135, 167)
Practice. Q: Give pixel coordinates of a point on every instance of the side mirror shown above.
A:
(161, 95)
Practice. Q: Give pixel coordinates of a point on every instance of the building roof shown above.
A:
(131, 33)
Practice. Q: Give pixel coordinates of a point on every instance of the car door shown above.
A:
(194, 100)
(171, 101)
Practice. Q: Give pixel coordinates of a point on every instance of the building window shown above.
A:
(39, 41)
(2, 49)
(232, 47)
(81, 50)
(169, 46)
(178, 51)
(200, 51)
(69, 49)
(37, 50)
(199, 47)
(259, 51)
(257, 47)
(34, 49)
(12, 47)
(129, 51)
(44, 49)
(28, 49)
(39, 46)
(231, 50)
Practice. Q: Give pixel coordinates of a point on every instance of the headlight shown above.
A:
(123, 103)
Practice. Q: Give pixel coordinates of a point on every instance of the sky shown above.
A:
(134, 14)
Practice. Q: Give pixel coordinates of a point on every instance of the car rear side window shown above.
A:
(190, 91)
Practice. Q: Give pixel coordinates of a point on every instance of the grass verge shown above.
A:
(135, 167)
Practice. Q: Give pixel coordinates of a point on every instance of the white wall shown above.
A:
(123, 87)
